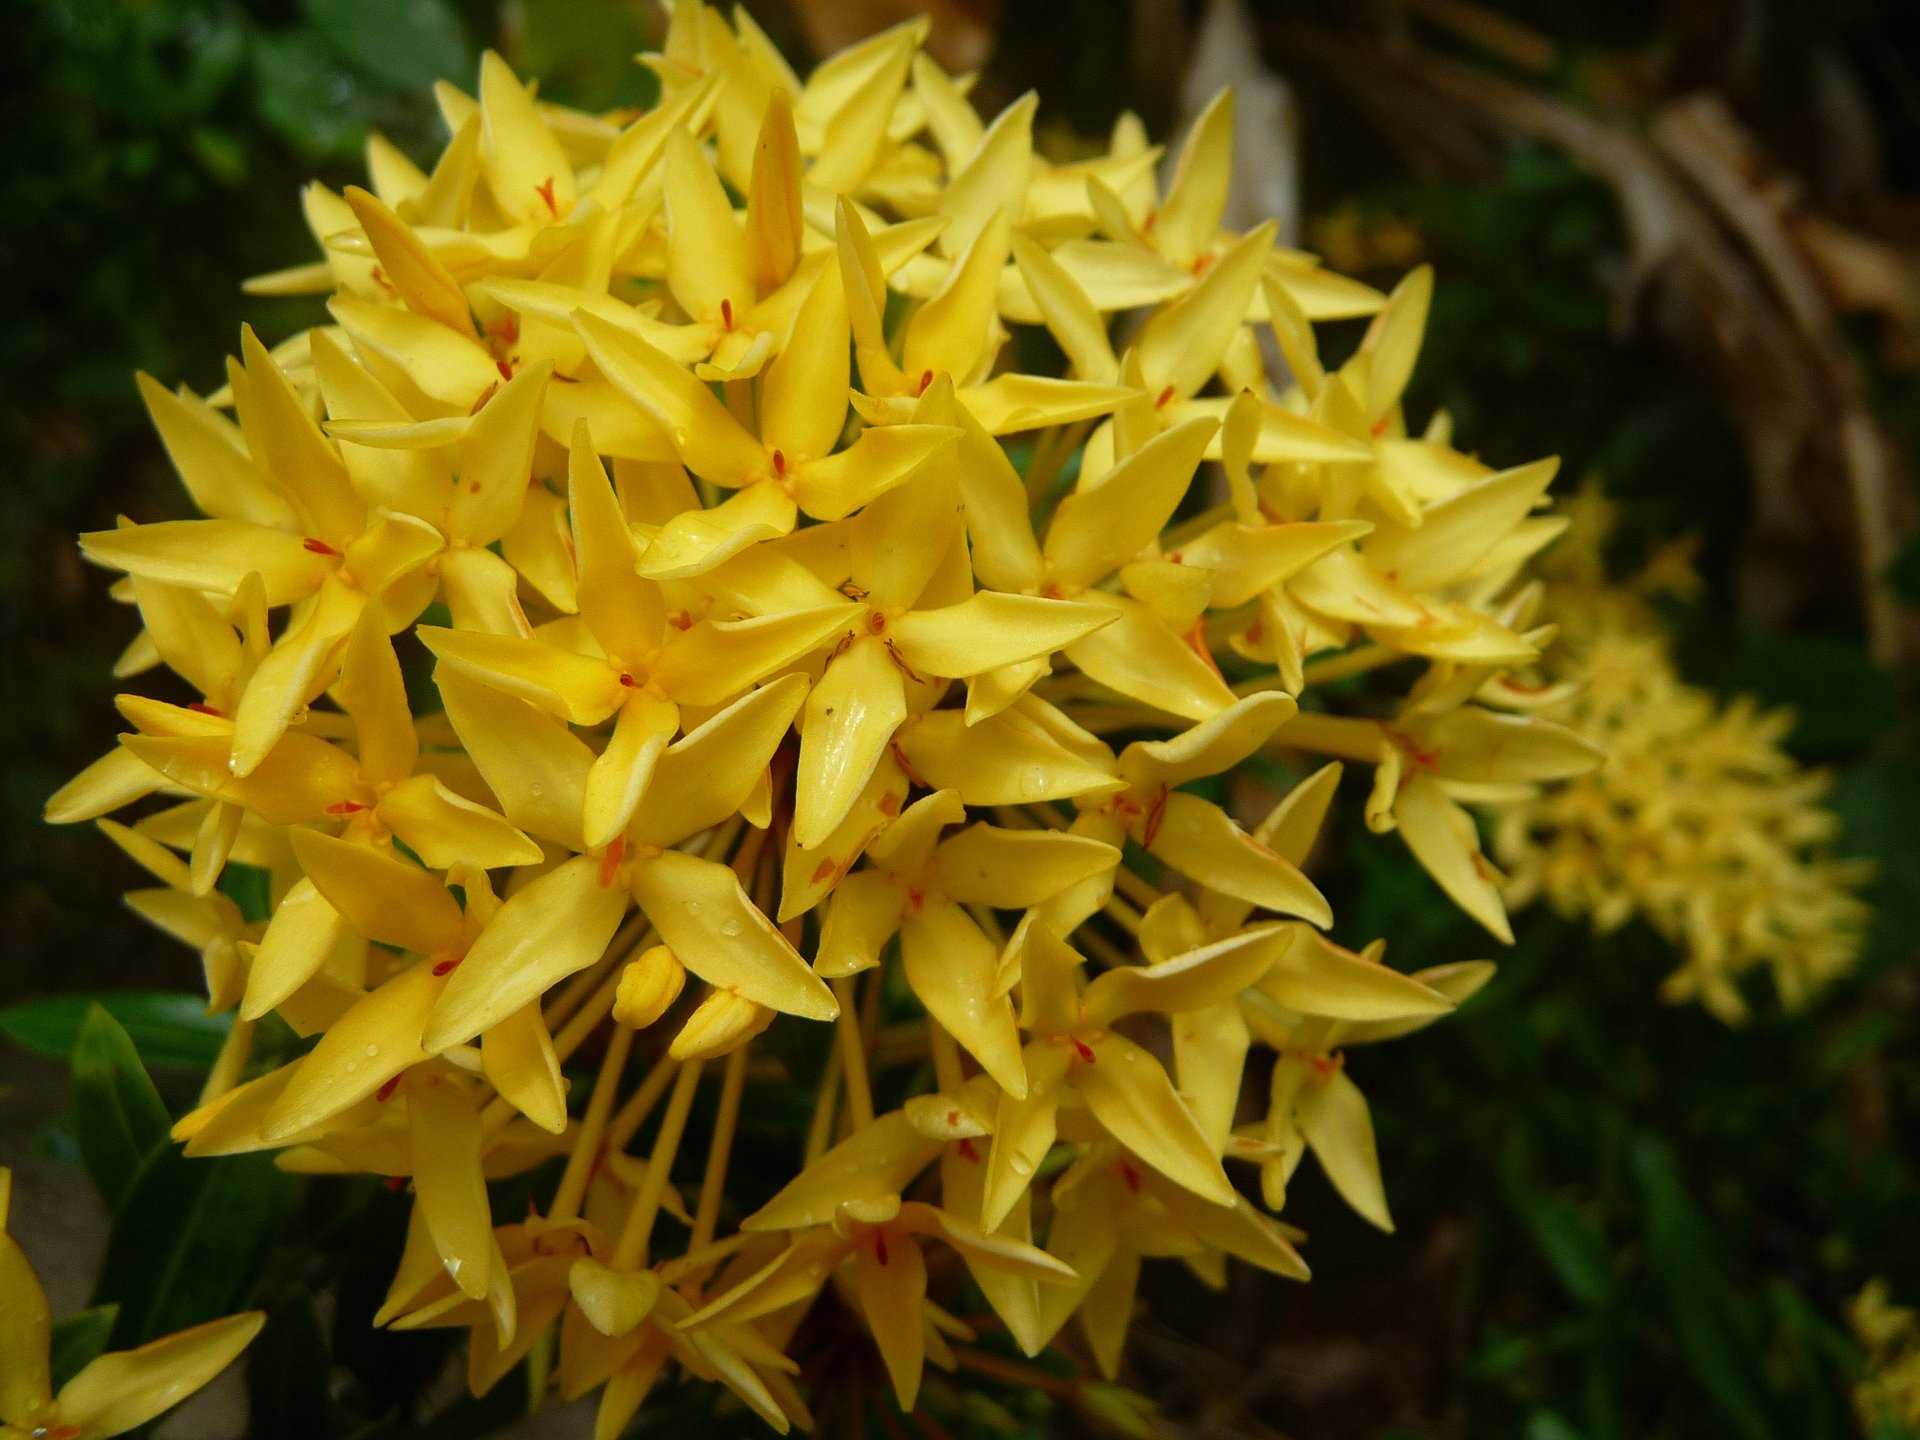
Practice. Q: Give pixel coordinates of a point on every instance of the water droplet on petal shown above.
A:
(352, 1065)
(1033, 780)
(1019, 1164)
(372, 1050)
(731, 928)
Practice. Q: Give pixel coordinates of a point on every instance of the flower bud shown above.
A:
(724, 1022)
(648, 987)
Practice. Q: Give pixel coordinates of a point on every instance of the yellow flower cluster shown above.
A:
(1698, 822)
(1887, 1399)
(787, 640)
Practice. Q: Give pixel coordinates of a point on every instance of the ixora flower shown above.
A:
(1699, 823)
(640, 619)
(112, 1393)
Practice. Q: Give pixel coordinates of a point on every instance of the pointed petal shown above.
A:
(1132, 1097)
(446, 829)
(452, 1193)
(891, 1292)
(834, 487)
(1441, 835)
(875, 1162)
(1192, 981)
(557, 925)
(1183, 343)
(534, 765)
(382, 896)
(851, 716)
(997, 761)
(862, 915)
(1097, 530)
(1140, 657)
(619, 776)
(708, 922)
(1333, 1116)
(1200, 840)
(952, 968)
(990, 630)
(709, 441)
(1023, 1132)
(1015, 869)
(212, 555)
(716, 660)
(520, 1062)
(123, 1389)
(375, 1040)
(578, 688)
(301, 935)
(496, 458)
(706, 249)
(708, 774)
(803, 398)
(1068, 312)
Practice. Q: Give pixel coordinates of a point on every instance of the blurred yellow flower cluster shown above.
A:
(1887, 1399)
(797, 659)
(1699, 822)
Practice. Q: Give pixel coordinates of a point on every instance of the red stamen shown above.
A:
(890, 805)
(1163, 397)
(628, 681)
(1380, 427)
(926, 379)
(317, 547)
(1131, 1176)
(610, 862)
(385, 1092)
(545, 188)
(877, 623)
(726, 313)
(1085, 1050)
(779, 465)
(505, 367)
(447, 967)
(682, 621)
(825, 868)
(395, 1183)
(916, 899)
(880, 1246)
(202, 707)
(1156, 813)
(969, 1151)
(345, 807)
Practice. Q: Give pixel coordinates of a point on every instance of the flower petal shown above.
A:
(1132, 1097)
(520, 1062)
(952, 968)
(123, 1389)
(558, 924)
(708, 922)
(382, 896)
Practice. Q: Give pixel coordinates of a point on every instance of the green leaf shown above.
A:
(166, 1027)
(310, 97)
(189, 1240)
(405, 44)
(249, 887)
(78, 1339)
(1699, 1301)
(287, 1373)
(1572, 1244)
(118, 1117)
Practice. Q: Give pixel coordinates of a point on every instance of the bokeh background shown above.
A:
(1678, 244)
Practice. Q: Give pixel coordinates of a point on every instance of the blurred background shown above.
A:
(1678, 244)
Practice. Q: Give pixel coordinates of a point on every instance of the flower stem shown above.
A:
(593, 1126)
(720, 1149)
(631, 1251)
(853, 1053)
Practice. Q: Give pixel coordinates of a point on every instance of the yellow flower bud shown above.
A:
(648, 987)
(724, 1022)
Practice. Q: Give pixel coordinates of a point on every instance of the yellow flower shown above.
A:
(1699, 822)
(112, 1393)
(796, 640)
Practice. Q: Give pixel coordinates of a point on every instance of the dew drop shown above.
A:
(1020, 1164)
(730, 928)
(692, 906)
(536, 789)
(372, 1050)
(1033, 780)
(352, 1065)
